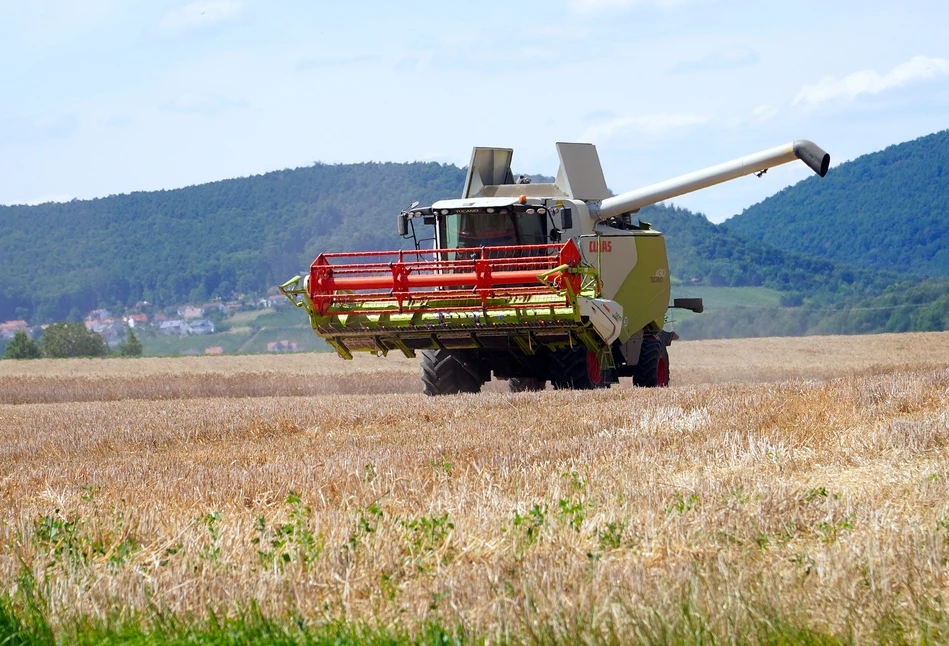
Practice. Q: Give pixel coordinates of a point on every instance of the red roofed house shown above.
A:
(9, 328)
(137, 319)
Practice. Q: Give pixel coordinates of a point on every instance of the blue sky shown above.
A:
(110, 96)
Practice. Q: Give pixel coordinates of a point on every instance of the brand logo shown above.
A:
(603, 246)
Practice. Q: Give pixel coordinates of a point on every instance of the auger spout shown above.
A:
(802, 149)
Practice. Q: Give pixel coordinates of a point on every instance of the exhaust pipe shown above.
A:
(806, 151)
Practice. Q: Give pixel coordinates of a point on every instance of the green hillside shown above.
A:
(754, 289)
(705, 254)
(904, 307)
(887, 210)
(191, 244)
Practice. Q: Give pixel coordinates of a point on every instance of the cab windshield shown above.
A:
(466, 230)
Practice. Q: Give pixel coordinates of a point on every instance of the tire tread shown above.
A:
(444, 374)
(646, 371)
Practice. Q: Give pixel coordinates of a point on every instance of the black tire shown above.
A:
(525, 384)
(444, 374)
(652, 371)
(577, 369)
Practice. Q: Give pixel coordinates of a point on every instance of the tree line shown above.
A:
(63, 340)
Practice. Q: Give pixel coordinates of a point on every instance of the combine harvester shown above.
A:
(530, 282)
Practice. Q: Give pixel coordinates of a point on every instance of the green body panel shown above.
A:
(645, 292)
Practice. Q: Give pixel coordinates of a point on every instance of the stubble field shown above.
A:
(781, 489)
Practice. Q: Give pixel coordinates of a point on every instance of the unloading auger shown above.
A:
(530, 282)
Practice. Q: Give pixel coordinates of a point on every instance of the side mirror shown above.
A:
(566, 219)
(692, 304)
(403, 225)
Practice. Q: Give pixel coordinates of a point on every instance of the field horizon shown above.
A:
(761, 359)
(781, 490)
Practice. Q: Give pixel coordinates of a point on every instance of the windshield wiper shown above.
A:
(517, 229)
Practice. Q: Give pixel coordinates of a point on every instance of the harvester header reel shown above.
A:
(479, 279)
(422, 299)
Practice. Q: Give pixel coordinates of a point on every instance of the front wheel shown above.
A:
(652, 370)
(577, 368)
(445, 374)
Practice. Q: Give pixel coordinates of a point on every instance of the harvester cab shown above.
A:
(528, 282)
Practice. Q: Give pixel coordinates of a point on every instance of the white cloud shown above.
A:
(306, 64)
(918, 68)
(208, 104)
(15, 129)
(655, 125)
(758, 116)
(764, 113)
(46, 199)
(199, 14)
(593, 6)
(726, 58)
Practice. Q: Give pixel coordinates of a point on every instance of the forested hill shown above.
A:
(249, 234)
(886, 210)
(817, 296)
(191, 244)
(705, 254)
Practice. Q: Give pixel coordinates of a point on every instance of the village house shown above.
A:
(231, 308)
(282, 346)
(9, 328)
(176, 327)
(113, 332)
(110, 329)
(190, 312)
(201, 326)
(136, 320)
(99, 315)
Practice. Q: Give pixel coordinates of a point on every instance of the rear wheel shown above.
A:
(445, 374)
(577, 368)
(525, 384)
(652, 371)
